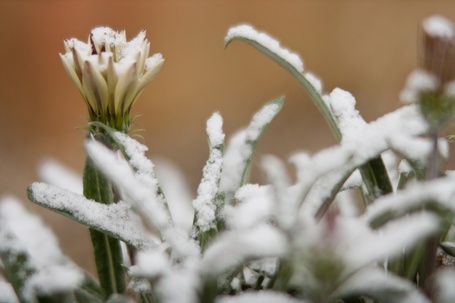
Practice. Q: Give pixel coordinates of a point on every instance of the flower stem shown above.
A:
(107, 250)
(429, 265)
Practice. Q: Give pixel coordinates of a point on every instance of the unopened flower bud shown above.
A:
(110, 73)
(438, 53)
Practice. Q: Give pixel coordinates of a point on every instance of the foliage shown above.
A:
(302, 238)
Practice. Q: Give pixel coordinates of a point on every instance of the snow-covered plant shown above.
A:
(303, 238)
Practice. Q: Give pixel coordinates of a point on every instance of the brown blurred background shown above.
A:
(366, 47)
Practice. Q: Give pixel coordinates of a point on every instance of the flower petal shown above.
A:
(70, 70)
(153, 66)
(95, 87)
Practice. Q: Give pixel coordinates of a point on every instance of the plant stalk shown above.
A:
(107, 250)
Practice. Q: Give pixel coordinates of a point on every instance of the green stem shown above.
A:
(107, 250)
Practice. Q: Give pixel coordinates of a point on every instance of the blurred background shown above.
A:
(365, 47)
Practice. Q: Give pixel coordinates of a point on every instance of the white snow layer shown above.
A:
(215, 130)
(249, 33)
(21, 231)
(240, 148)
(375, 283)
(116, 218)
(178, 194)
(205, 204)
(140, 188)
(235, 247)
(417, 82)
(266, 296)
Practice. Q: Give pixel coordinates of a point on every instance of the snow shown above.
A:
(205, 204)
(140, 188)
(393, 238)
(255, 205)
(382, 287)
(315, 81)
(232, 248)
(260, 120)
(179, 286)
(418, 81)
(417, 149)
(413, 197)
(53, 172)
(264, 296)
(135, 152)
(241, 147)
(235, 156)
(342, 105)
(215, 130)
(178, 194)
(149, 264)
(23, 232)
(438, 26)
(115, 218)
(249, 33)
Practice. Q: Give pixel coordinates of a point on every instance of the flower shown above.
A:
(110, 73)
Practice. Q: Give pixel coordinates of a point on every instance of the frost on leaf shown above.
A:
(30, 252)
(115, 219)
(239, 152)
(205, 205)
(143, 195)
(249, 33)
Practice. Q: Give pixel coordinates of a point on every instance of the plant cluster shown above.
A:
(303, 238)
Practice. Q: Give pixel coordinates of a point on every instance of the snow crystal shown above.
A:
(204, 205)
(21, 231)
(53, 172)
(149, 264)
(249, 33)
(153, 61)
(215, 130)
(260, 120)
(237, 152)
(418, 81)
(438, 26)
(135, 152)
(265, 296)
(106, 36)
(255, 205)
(417, 149)
(115, 218)
(140, 187)
(342, 105)
(315, 81)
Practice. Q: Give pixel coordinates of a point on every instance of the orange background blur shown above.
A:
(366, 47)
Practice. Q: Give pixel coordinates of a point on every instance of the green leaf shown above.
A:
(117, 221)
(239, 154)
(315, 96)
(257, 127)
(207, 201)
(374, 173)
